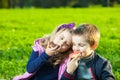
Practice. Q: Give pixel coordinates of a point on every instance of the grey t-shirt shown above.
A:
(84, 72)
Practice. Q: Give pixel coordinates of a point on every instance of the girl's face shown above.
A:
(63, 40)
(81, 45)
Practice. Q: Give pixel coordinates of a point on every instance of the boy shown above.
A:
(84, 63)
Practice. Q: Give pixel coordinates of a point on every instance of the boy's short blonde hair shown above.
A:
(90, 32)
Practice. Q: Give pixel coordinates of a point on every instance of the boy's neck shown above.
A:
(88, 58)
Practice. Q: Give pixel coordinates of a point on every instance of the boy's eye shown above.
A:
(82, 45)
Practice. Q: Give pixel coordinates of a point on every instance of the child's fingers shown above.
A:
(51, 44)
(77, 57)
(55, 48)
(48, 45)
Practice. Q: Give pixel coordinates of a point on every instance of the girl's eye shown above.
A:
(61, 37)
(66, 44)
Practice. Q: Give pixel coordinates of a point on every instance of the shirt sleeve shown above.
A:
(107, 73)
(67, 76)
(35, 61)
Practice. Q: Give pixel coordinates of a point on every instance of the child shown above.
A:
(47, 54)
(86, 64)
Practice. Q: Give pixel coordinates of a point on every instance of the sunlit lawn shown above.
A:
(20, 27)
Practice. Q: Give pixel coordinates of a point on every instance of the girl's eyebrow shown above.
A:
(62, 35)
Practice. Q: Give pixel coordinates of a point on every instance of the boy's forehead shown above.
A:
(78, 38)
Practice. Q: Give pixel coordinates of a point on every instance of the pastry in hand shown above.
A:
(74, 54)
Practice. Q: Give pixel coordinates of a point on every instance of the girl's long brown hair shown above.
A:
(56, 59)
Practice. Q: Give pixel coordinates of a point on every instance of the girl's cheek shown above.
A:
(64, 48)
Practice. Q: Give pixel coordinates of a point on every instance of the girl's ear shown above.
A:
(94, 46)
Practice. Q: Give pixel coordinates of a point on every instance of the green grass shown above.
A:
(20, 27)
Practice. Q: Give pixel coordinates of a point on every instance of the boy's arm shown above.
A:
(36, 61)
(67, 76)
(107, 73)
(72, 65)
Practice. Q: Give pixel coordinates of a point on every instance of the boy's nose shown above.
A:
(76, 48)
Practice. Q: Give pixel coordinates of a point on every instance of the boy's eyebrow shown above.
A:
(79, 43)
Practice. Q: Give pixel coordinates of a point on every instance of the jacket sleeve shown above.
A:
(35, 61)
(67, 76)
(107, 73)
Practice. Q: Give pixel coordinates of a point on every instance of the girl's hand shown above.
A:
(72, 64)
(52, 49)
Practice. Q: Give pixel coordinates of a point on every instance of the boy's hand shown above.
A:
(52, 49)
(72, 64)
(74, 54)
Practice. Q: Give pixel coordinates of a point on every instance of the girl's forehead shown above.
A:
(65, 31)
(67, 36)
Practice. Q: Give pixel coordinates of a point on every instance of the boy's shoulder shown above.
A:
(101, 64)
(100, 60)
(100, 57)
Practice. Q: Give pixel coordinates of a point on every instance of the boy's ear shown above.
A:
(94, 46)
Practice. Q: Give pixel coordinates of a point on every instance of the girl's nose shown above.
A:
(62, 43)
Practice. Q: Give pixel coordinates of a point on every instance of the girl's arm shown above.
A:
(25, 76)
(36, 61)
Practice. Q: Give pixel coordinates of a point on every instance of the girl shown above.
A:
(48, 53)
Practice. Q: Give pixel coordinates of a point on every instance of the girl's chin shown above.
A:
(61, 51)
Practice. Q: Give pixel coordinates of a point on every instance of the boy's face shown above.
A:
(81, 45)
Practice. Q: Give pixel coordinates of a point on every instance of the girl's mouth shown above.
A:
(54, 45)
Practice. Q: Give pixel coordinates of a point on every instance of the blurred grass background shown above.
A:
(20, 27)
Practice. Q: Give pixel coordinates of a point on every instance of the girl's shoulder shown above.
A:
(37, 47)
(40, 44)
